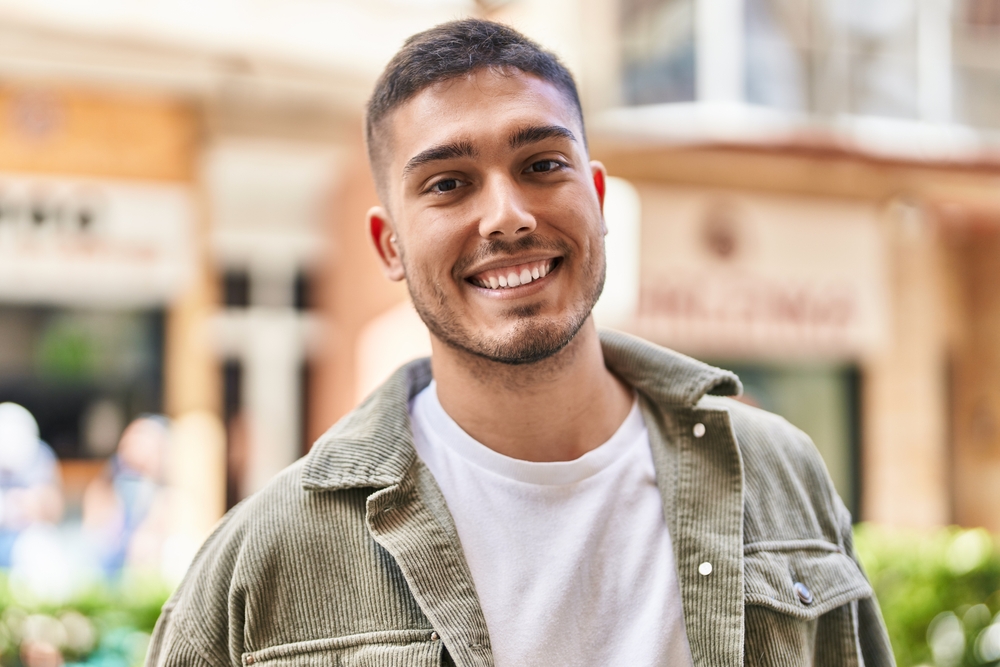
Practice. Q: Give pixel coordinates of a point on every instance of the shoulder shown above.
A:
(255, 521)
(766, 438)
(788, 493)
(272, 546)
(205, 607)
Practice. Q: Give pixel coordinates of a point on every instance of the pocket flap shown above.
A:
(370, 649)
(830, 578)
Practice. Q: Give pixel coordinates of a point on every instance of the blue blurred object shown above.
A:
(29, 477)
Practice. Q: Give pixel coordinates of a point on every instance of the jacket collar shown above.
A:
(372, 447)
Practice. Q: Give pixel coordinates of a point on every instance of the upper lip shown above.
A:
(504, 262)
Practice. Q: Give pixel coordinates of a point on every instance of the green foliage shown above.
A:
(939, 592)
(106, 625)
(66, 352)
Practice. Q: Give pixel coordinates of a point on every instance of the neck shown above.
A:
(554, 410)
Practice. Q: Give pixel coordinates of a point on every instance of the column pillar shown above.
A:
(976, 381)
(274, 352)
(904, 456)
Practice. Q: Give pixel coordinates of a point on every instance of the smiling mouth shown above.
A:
(507, 277)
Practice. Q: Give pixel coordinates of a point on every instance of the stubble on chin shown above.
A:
(532, 338)
(531, 342)
(528, 341)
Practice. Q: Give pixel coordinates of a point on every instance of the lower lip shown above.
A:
(519, 291)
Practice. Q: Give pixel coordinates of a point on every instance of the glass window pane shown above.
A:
(881, 64)
(977, 63)
(777, 53)
(833, 56)
(81, 371)
(658, 51)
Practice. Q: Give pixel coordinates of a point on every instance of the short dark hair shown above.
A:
(452, 50)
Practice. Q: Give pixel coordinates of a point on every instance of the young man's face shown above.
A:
(496, 211)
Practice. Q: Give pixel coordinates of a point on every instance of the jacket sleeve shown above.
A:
(201, 624)
(872, 636)
(169, 647)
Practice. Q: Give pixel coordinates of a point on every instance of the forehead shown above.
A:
(481, 107)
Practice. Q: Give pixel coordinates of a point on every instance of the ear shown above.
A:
(386, 243)
(600, 175)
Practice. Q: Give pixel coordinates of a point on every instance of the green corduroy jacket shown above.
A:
(350, 557)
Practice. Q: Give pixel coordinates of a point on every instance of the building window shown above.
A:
(303, 296)
(658, 51)
(824, 57)
(236, 288)
(833, 57)
(83, 374)
(977, 63)
(934, 60)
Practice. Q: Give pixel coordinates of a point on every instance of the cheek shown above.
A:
(431, 251)
(575, 197)
(578, 220)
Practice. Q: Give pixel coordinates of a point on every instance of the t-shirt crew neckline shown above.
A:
(446, 432)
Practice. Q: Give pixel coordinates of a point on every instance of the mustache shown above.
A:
(492, 249)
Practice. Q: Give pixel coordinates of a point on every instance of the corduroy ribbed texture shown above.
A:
(350, 557)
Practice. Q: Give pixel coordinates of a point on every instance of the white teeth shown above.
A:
(526, 275)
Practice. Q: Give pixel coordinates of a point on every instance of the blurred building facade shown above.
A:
(820, 211)
(810, 195)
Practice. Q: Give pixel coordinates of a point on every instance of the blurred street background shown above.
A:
(804, 191)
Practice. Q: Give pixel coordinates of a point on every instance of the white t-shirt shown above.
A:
(571, 560)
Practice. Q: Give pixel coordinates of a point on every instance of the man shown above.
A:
(536, 493)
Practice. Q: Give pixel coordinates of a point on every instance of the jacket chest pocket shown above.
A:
(402, 648)
(800, 599)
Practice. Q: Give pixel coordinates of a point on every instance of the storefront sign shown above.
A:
(93, 242)
(735, 275)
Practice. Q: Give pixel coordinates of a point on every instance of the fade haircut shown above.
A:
(449, 51)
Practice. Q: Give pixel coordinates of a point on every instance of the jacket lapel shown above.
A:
(406, 513)
(703, 492)
(701, 482)
(411, 521)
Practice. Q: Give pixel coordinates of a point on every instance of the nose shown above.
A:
(505, 214)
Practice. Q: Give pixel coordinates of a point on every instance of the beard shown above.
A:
(533, 337)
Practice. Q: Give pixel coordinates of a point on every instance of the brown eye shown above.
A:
(543, 166)
(446, 185)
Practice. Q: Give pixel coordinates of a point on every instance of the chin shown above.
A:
(530, 340)
(520, 334)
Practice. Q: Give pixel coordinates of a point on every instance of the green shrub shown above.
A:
(939, 592)
(105, 625)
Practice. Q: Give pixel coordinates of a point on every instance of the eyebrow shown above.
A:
(448, 151)
(464, 148)
(536, 133)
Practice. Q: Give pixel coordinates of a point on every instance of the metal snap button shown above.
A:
(699, 430)
(705, 569)
(804, 594)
